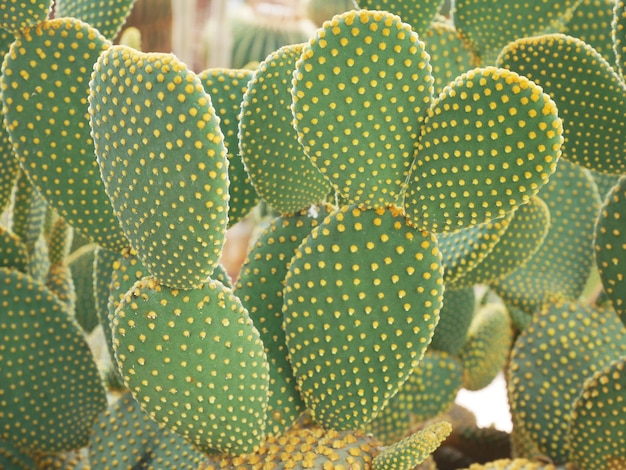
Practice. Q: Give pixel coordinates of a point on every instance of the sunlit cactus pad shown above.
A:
(163, 162)
(491, 139)
(51, 389)
(195, 363)
(348, 112)
(16, 15)
(361, 303)
(278, 167)
(45, 86)
(108, 17)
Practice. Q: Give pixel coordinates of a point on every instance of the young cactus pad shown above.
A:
(163, 162)
(108, 17)
(361, 303)
(195, 363)
(16, 15)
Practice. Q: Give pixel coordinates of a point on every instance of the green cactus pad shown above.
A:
(592, 109)
(319, 11)
(596, 432)
(419, 15)
(564, 260)
(521, 240)
(227, 87)
(9, 165)
(619, 35)
(82, 264)
(125, 437)
(486, 350)
(15, 459)
(28, 212)
(45, 87)
(13, 252)
(346, 109)
(361, 303)
(455, 319)
(59, 242)
(450, 54)
(604, 182)
(59, 281)
(591, 22)
(550, 361)
(16, 15)
(413, 450)
(163, 162)
(107, 17)
(430, 391)
(276, 163)
(513, 464)
(470, 170)
(610, 248)
(260, 288)
(195, 363)
(51, 389)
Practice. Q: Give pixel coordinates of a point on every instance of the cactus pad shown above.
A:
(346, 108)
(195, 363)
(45, 87)
(471, 170)
(81, 264)
(455, 319)
(16, 15)
(15, 459)
(591, 22)
(513, 464)
(51, 389)
(163, 162)
(619, 35)
(418, 14)
(13, 252)
(361, 302)
(107, 17)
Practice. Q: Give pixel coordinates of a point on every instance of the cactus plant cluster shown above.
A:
(411, 162)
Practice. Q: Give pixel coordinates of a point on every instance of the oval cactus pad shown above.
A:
(348, 112)
(490, 141)
(163, 162)
(195, 363)
(361, 303)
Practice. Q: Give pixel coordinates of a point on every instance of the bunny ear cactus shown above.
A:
(9, 165)
(591, 22)
(107, 17)
(618, 34)
(16, 15)
(455, 319)
(13, 252)
(419, 15)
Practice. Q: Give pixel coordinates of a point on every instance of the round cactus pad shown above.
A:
(592, 22)
(278, 167)
(418, 15)
(491, 139)
(45, 89)
(594, 123)
(107, 17)
(619, 35)
(361, 303)
(455, 319)
(360, 92)
(16, 15)
(195, 363)
(51, 388)
(163, 162)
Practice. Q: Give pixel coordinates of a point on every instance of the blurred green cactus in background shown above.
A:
(432, 195)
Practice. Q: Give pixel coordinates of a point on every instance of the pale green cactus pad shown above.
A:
(346, 103)
(361, 303)
(430, 391)
(45, 85)
(550, 361)
(16, 15)
(28, 212)
(486, 350)
(82, 264)
(195, 363)
(619, 35)
(610, 249)
(124, 436)
(276, 163)
(163, 162)
(469, 171)
(107, 17)
(455, 319)
(591, 22)
(592, 110)
(596, 432)
(418, 14)
(413, 450)
(260, 287)
(13, 252)
(51, 387)
(227, 87)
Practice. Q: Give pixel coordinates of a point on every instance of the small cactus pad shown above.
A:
(195, 363)
(594, 123)
(361, 303)
(16, 15)
(45, 87)
(59, 241)
(125, 437)
(596, 432)
(591, 22)
(278, 167)
(346, 104)
(163, 162)
(619, 35)
(413, 450)
(107, 17)
(564, 260)
(430, 391)
(455, 319)
(482, 165)
(486, 350)
(28, 212)
(610, 248)
(51, 389)
(59, 281)
(260, 288)
(550, 361)
(13, 252)
(227, 87)
(82, 264)
(418, 14)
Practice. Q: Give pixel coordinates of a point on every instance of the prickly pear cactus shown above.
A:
(16, 15)
(108, 17)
